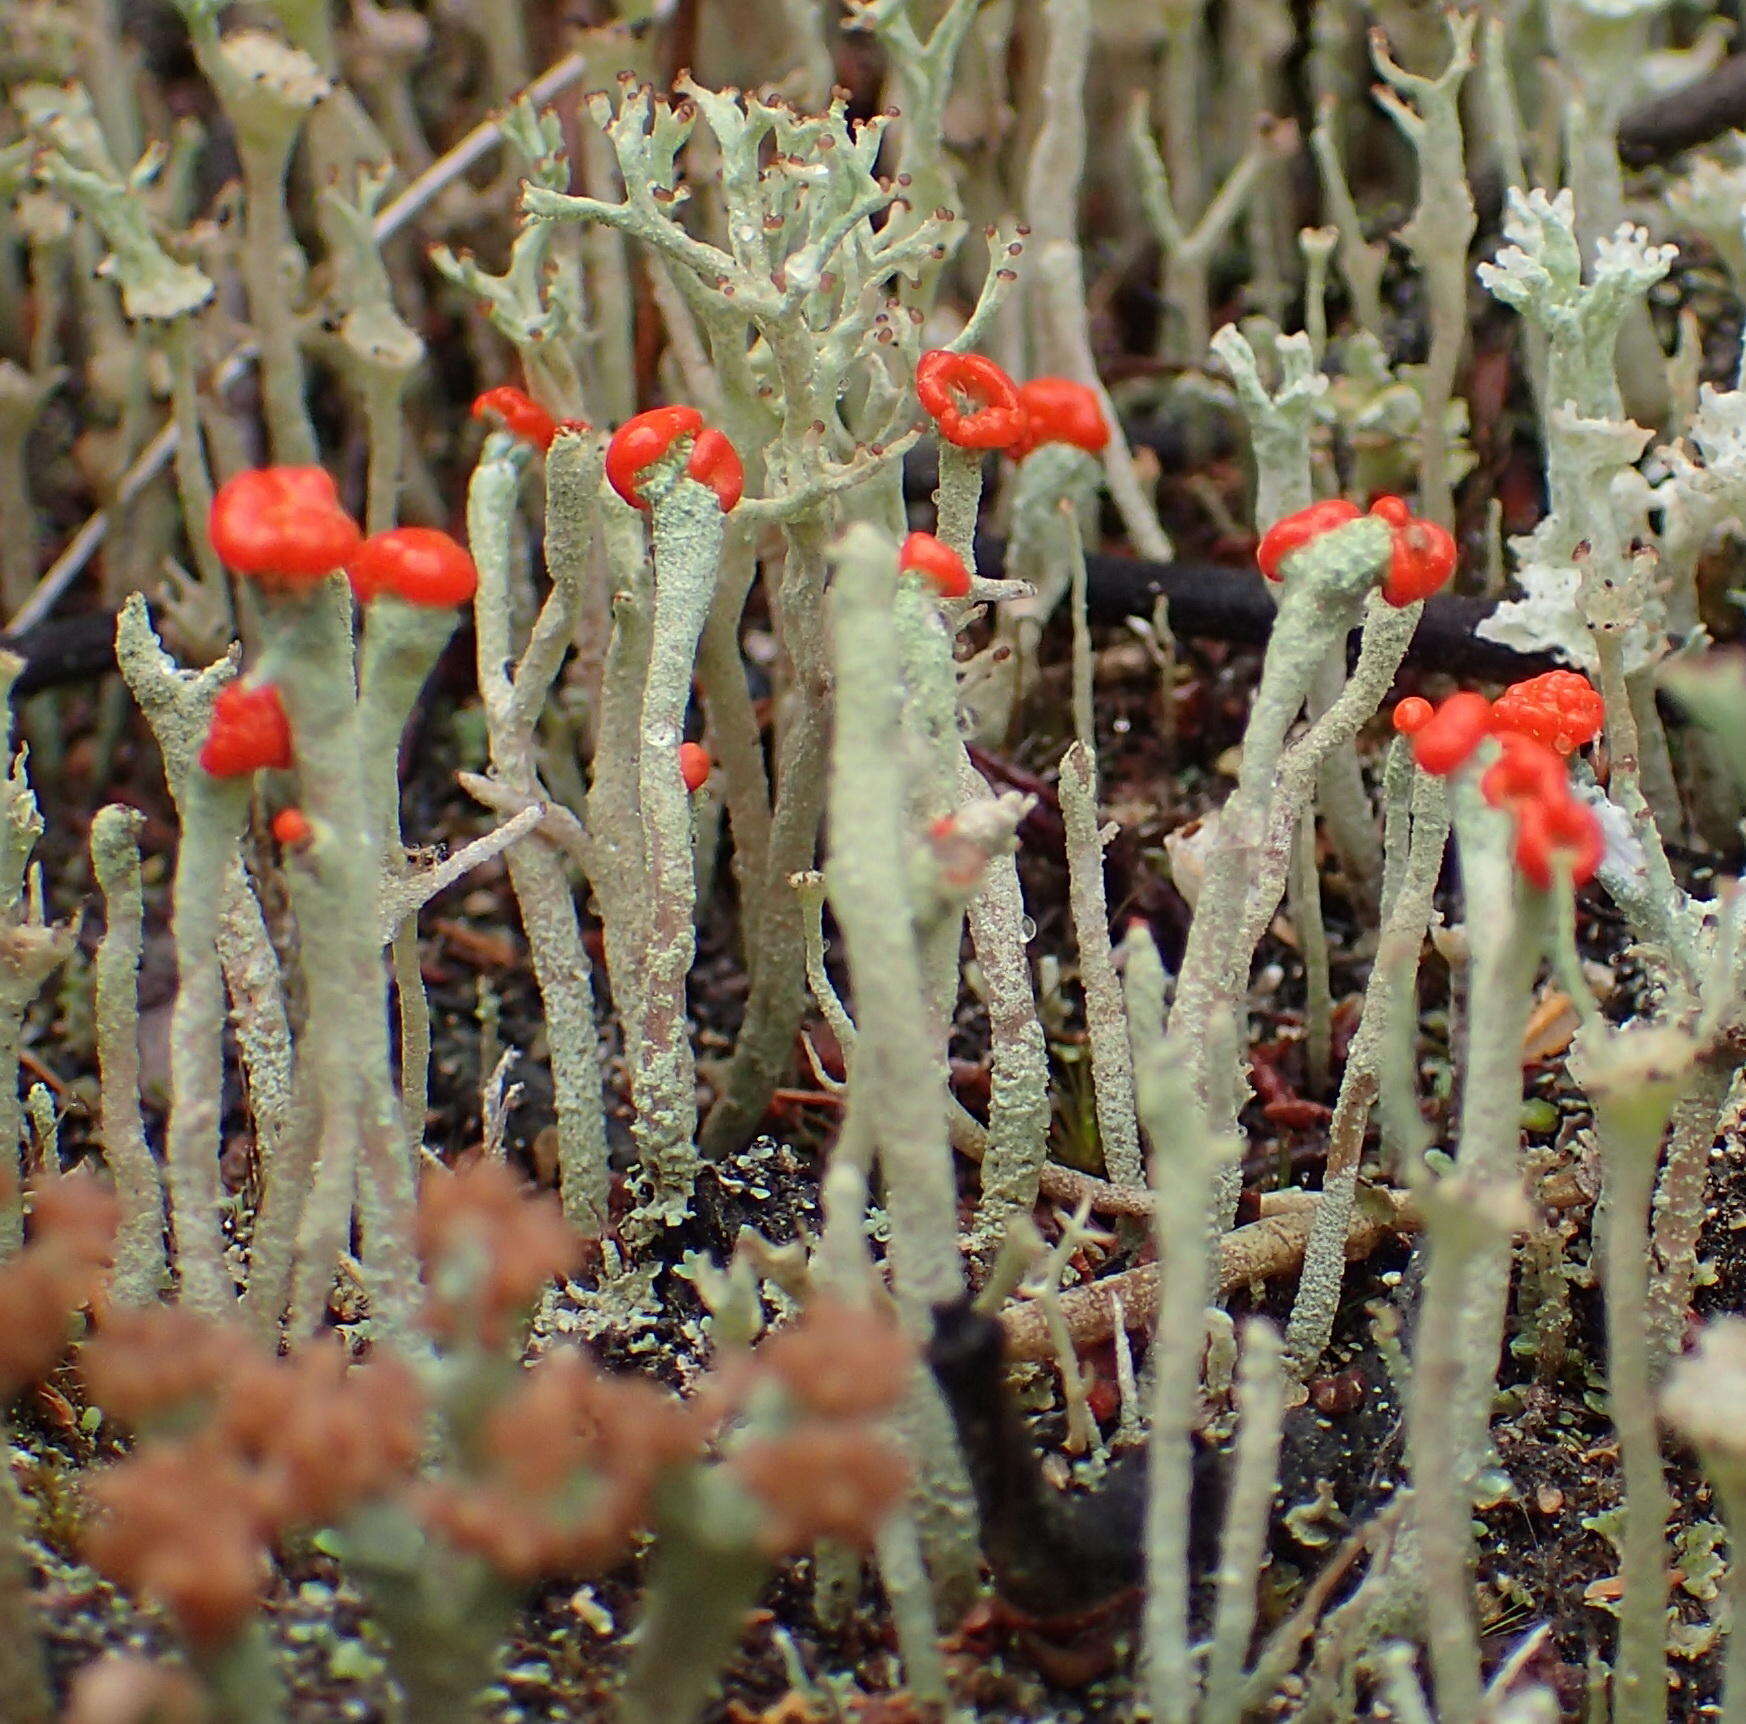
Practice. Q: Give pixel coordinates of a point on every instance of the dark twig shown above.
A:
(1686, 117)
(1212, 601)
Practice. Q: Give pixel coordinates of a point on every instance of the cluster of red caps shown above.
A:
(1421, 559)
(635, 446)
(976, 405)
(285, 529)
(1538, 724)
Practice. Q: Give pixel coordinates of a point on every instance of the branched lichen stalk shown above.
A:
(1466, 1218)
(23, 1669)
(1106, 1022)
(336, 890)
(1185, 1158)
(868, 876)
(512, 704)
(1438, 235)
(688, 537)
(1390, 992)
(1636, 1077)
(1325, 593)
(30, 948)
(140, 1269)
(1680, 1210)
(1018, 1106)
(1051, 197)
(1248, 1514)
(213, 812)
(1305, 899)
(178, 706)
(266, 89)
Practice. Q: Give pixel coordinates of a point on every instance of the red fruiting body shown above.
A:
(1525, 771)
(518, 413)
(419, 565)
(1545, 826)
(970, 399)
(291, 829)
(1293, 532)
(1561, 709)
(249, 732)
(716, 463)
(694, 765)
(1423, 559)
(1393, 510)
(1059, 410)
(1411, 714)
(937, 563)
(282, 526)
(1447, 739)
(642, 441)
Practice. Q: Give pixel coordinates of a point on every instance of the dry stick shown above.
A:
(140, 1267)
(1259, 1251)
(150, 461)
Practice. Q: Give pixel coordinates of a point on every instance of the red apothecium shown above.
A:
(937, 563)
(1548, 825)
(1446, 740)
(1292, 532)
(1411, 714)
(1423, 557)
(518, 413)
(249, 732)
(640, 442)
(1060, 410)
(715, 463)
(1561, 708)
(694, 765)
(1525, 770)
(420, 565)
(291, 829)
(972, 402)
(282, 526)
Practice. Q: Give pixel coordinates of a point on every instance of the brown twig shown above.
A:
(1686, 117)
(1258, 1252)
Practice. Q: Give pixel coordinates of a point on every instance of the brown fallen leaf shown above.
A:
(1551, 1027)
